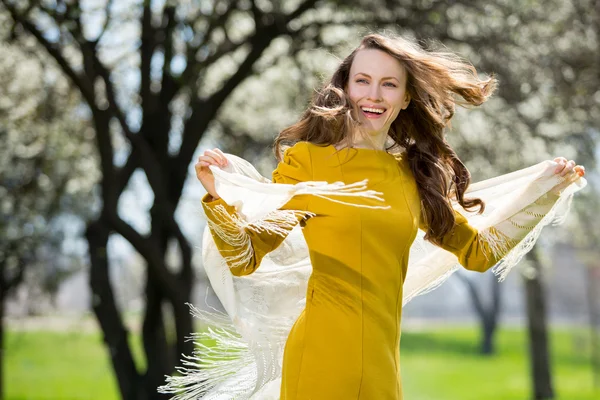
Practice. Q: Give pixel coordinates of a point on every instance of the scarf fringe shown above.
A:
(222, 364)
(511, 251)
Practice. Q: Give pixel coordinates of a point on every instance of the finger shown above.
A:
(568, 168)
(223, 157)
(580, 169)
(203, 167)
(218, 157)
(561, 161)
(212, 157)
(208, 160)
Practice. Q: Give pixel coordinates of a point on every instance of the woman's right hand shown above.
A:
(204, 174)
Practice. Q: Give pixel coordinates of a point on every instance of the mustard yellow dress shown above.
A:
(345, 344)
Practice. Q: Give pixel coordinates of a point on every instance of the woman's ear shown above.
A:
(406, 101)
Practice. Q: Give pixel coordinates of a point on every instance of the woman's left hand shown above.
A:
(569, 170)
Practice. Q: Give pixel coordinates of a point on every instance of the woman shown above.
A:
(382, 118)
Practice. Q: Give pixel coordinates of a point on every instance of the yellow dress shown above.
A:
(345, 344)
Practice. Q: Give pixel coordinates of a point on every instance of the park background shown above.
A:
(105, 105)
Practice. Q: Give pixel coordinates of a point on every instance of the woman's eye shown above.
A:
(390, 84)
(361, 81)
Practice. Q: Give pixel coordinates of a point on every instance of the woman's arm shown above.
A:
(244, 245)
(479, 251)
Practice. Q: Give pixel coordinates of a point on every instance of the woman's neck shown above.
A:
(376, 141)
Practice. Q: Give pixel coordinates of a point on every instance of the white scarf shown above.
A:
(245, 361)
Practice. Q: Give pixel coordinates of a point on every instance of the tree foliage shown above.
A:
(47, 173)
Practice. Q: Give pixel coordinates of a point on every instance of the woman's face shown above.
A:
(377, 86)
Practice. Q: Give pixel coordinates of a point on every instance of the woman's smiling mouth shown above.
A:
(372, 112)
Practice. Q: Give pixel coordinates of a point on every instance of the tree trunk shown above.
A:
(488, 314)
(105, 309)
(538, 333)
(155, 342)
(487, 340)
(184, 324)
(490, 319)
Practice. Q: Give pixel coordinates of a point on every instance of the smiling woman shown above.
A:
(377, 86)
(364, 169)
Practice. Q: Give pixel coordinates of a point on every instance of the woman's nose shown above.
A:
(375, 93)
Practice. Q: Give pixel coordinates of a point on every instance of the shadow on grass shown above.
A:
(424, 342)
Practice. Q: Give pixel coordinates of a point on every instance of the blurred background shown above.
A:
(105, 105)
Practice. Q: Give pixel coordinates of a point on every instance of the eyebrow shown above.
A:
(384, 78)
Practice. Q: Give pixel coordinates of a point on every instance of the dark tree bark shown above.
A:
(489, 314)
(8, 282)
(105, 309)
(541, 374)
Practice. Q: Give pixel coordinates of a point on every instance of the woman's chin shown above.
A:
(372, 131)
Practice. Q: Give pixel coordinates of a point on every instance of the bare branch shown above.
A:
(107, 21)
(302, 8)
(472, 288)
(193, 68)
(217, 21)
(257, 13)
(148, 250)
(204, 111)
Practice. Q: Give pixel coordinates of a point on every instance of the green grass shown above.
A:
(57, 365)
(446, 365)
(436, 365)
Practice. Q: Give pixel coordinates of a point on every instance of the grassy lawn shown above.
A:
(446, 365)
(436, 365)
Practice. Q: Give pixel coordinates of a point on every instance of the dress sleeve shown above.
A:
(243, 245)
(481, 250)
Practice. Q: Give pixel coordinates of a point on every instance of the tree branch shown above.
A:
(474, 295)
(146, 52)
(148, 250)
(169, 86)
(107, 21)
(194, 66)
(302, 8)
(257, 14)
(217, 22)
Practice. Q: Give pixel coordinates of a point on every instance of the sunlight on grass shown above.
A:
(436, 365)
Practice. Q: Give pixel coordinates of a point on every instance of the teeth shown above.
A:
(373, 110)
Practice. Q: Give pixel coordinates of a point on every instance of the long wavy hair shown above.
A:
(436, 82)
